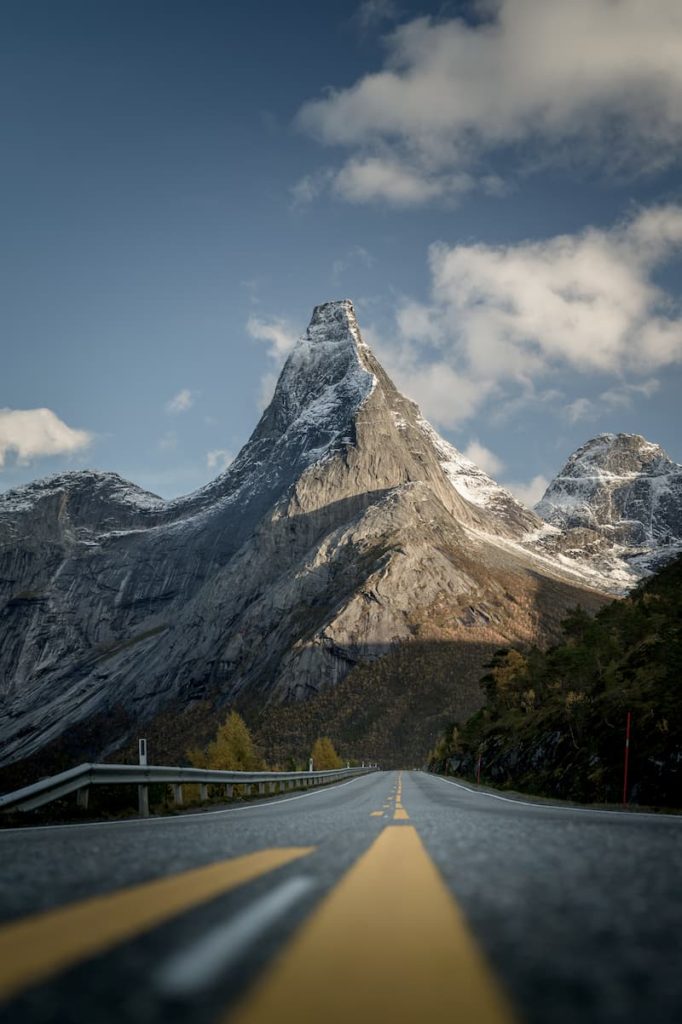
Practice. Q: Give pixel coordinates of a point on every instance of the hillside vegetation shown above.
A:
(554, 721)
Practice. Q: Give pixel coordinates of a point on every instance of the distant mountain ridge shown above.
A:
(344, 529)
(617, 502)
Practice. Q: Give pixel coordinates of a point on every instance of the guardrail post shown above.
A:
(203, 791)
(272, 787)
(142, 791)
(261, 789)
(177, 794)
(83, 797)
(229, 790)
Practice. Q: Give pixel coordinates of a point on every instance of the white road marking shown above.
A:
(180, 817)
(196, 967)
(555, 807)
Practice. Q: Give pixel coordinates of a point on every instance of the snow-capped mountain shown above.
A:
(616, 507)
(345, 527)
(472, 483)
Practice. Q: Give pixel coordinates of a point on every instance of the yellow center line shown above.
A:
(400, 812)
(377, 814)
(37, 947)
(388, 943)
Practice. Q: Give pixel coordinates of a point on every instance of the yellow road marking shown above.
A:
(36, 947)
(377, 814)
(400, 812)
(388, 943)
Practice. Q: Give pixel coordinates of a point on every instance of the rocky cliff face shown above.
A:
(344, 527)
(616, 506)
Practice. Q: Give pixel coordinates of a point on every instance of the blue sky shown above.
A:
(497, 186)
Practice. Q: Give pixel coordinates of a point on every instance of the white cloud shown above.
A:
(371, 13)
(219, 458)
(587, 80)
(531, 492)
(483, 457)
(621, 395)
(580, 409)
(357, 255)
(181, 402)
(418, 321)
(367, 178)
(504, 321)
(278, 335)
(309, 187)
(586, 300)
(444, 393)
(266, 390)
(280, 338)
(30, 433)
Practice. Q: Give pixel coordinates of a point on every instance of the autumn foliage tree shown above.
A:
(232, 749)
(324, 755)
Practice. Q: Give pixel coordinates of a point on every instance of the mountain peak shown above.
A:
(323, 381)
(334, 322)
(616, 455)
(339, 310)
(344, 527)
(621, 486)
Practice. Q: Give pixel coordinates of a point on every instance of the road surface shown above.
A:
(397, 896)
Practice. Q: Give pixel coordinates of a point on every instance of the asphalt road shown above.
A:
(395, 896)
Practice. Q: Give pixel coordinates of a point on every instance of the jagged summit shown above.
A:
(323, 379)
(332, 318)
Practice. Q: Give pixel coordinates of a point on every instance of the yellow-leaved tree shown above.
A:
(324, 755)
(232, 749)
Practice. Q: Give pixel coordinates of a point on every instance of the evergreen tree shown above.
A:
(554, 720)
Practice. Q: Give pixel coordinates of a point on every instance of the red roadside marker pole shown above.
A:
(478, 769)
(626, 759)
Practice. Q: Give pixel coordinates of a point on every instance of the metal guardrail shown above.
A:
(78, 780)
